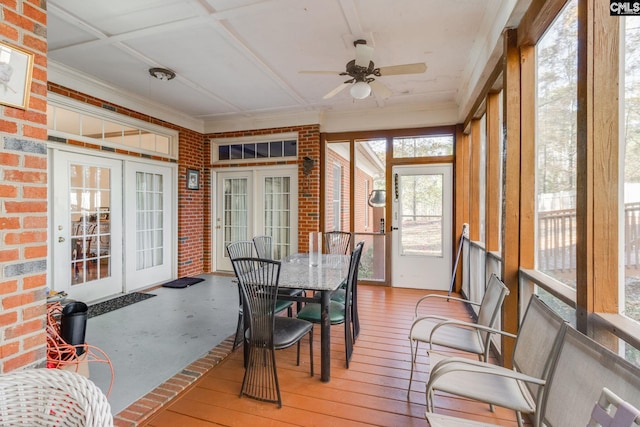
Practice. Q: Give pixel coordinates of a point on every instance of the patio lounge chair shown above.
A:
(470, 337)
(519, 388)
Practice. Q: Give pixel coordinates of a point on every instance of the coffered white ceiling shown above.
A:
(240, 59)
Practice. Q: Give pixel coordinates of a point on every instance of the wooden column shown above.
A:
(493, 167)
(511, 190)
(474, 181)
(597, 160)
(527, 157)
(461, 185)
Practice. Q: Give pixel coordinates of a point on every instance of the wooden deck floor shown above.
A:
(373, 391)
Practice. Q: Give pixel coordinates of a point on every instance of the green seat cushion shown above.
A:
(282, 305)
(339, 295)
(311, 312)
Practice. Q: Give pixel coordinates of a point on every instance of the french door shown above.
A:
(92, 257)
(87, 225)
(149, 247)
(422, 226)
(254, 202)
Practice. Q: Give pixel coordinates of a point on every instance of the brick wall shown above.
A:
(308, 186)
(23, 198)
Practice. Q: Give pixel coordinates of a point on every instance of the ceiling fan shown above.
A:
(362, 70)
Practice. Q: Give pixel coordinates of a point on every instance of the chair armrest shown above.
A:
(474, 366)
(428, 317)
(468, 325)
(443, 297)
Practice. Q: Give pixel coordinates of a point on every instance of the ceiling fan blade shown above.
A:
(335, 73)
(416, 68)
(335, 91)
(363, 55)
(380, 89)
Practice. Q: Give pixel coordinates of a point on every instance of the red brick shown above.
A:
(21, 361)
(11, 4)
(9, 223)
(9, 32)
(25, 207)
(15, 175)
(33, 312)
(35, 252)
(36, 281)
(12, 17)
(8, 191)
(9, 255)
(35, 162)
(8, 126)
(9, 159)
(35, 341)
(9, 349)
(34, 132)
(34, 222)
(36, 14)
(8, 287)
(18, 300)
(25, 237)
(24, 328)
(34, 192)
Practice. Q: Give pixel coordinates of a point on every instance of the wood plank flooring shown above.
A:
(373, 391)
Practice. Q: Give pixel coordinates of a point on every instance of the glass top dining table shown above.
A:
(324, 275)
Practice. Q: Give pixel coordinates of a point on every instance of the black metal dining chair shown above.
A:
(337, 242)
(264, 250)
(340, 312)
(244, 249)
(267, 332)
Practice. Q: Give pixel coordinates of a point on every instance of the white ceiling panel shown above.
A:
(244, 57)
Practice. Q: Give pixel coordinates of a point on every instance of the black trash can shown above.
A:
(73, 324)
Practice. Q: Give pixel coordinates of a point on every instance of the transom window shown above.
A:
(249, 149)
(87, 123)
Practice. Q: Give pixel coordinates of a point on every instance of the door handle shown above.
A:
(394, 228)
(60, 239)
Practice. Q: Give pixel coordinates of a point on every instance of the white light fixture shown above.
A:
(163, 74)
(360, 90)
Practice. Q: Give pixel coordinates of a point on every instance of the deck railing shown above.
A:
(557, 238)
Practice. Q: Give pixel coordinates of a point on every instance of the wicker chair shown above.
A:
(52, 397)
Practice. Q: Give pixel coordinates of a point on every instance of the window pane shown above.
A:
(556, 148)
(337, 188)
(370, 166)
(423, 146)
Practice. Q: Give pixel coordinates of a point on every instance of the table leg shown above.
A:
(325, 338)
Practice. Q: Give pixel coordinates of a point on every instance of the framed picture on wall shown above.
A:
(16, 68)
(193, 179)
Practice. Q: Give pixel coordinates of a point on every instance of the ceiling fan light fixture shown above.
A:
(163, 74)
(360, 90)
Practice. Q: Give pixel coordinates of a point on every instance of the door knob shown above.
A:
(61, 239)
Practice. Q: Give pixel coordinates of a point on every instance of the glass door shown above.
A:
(256, 202)
(149, 197)
(277, 216)
(87, 222)
(234, 213)
(422, 221)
